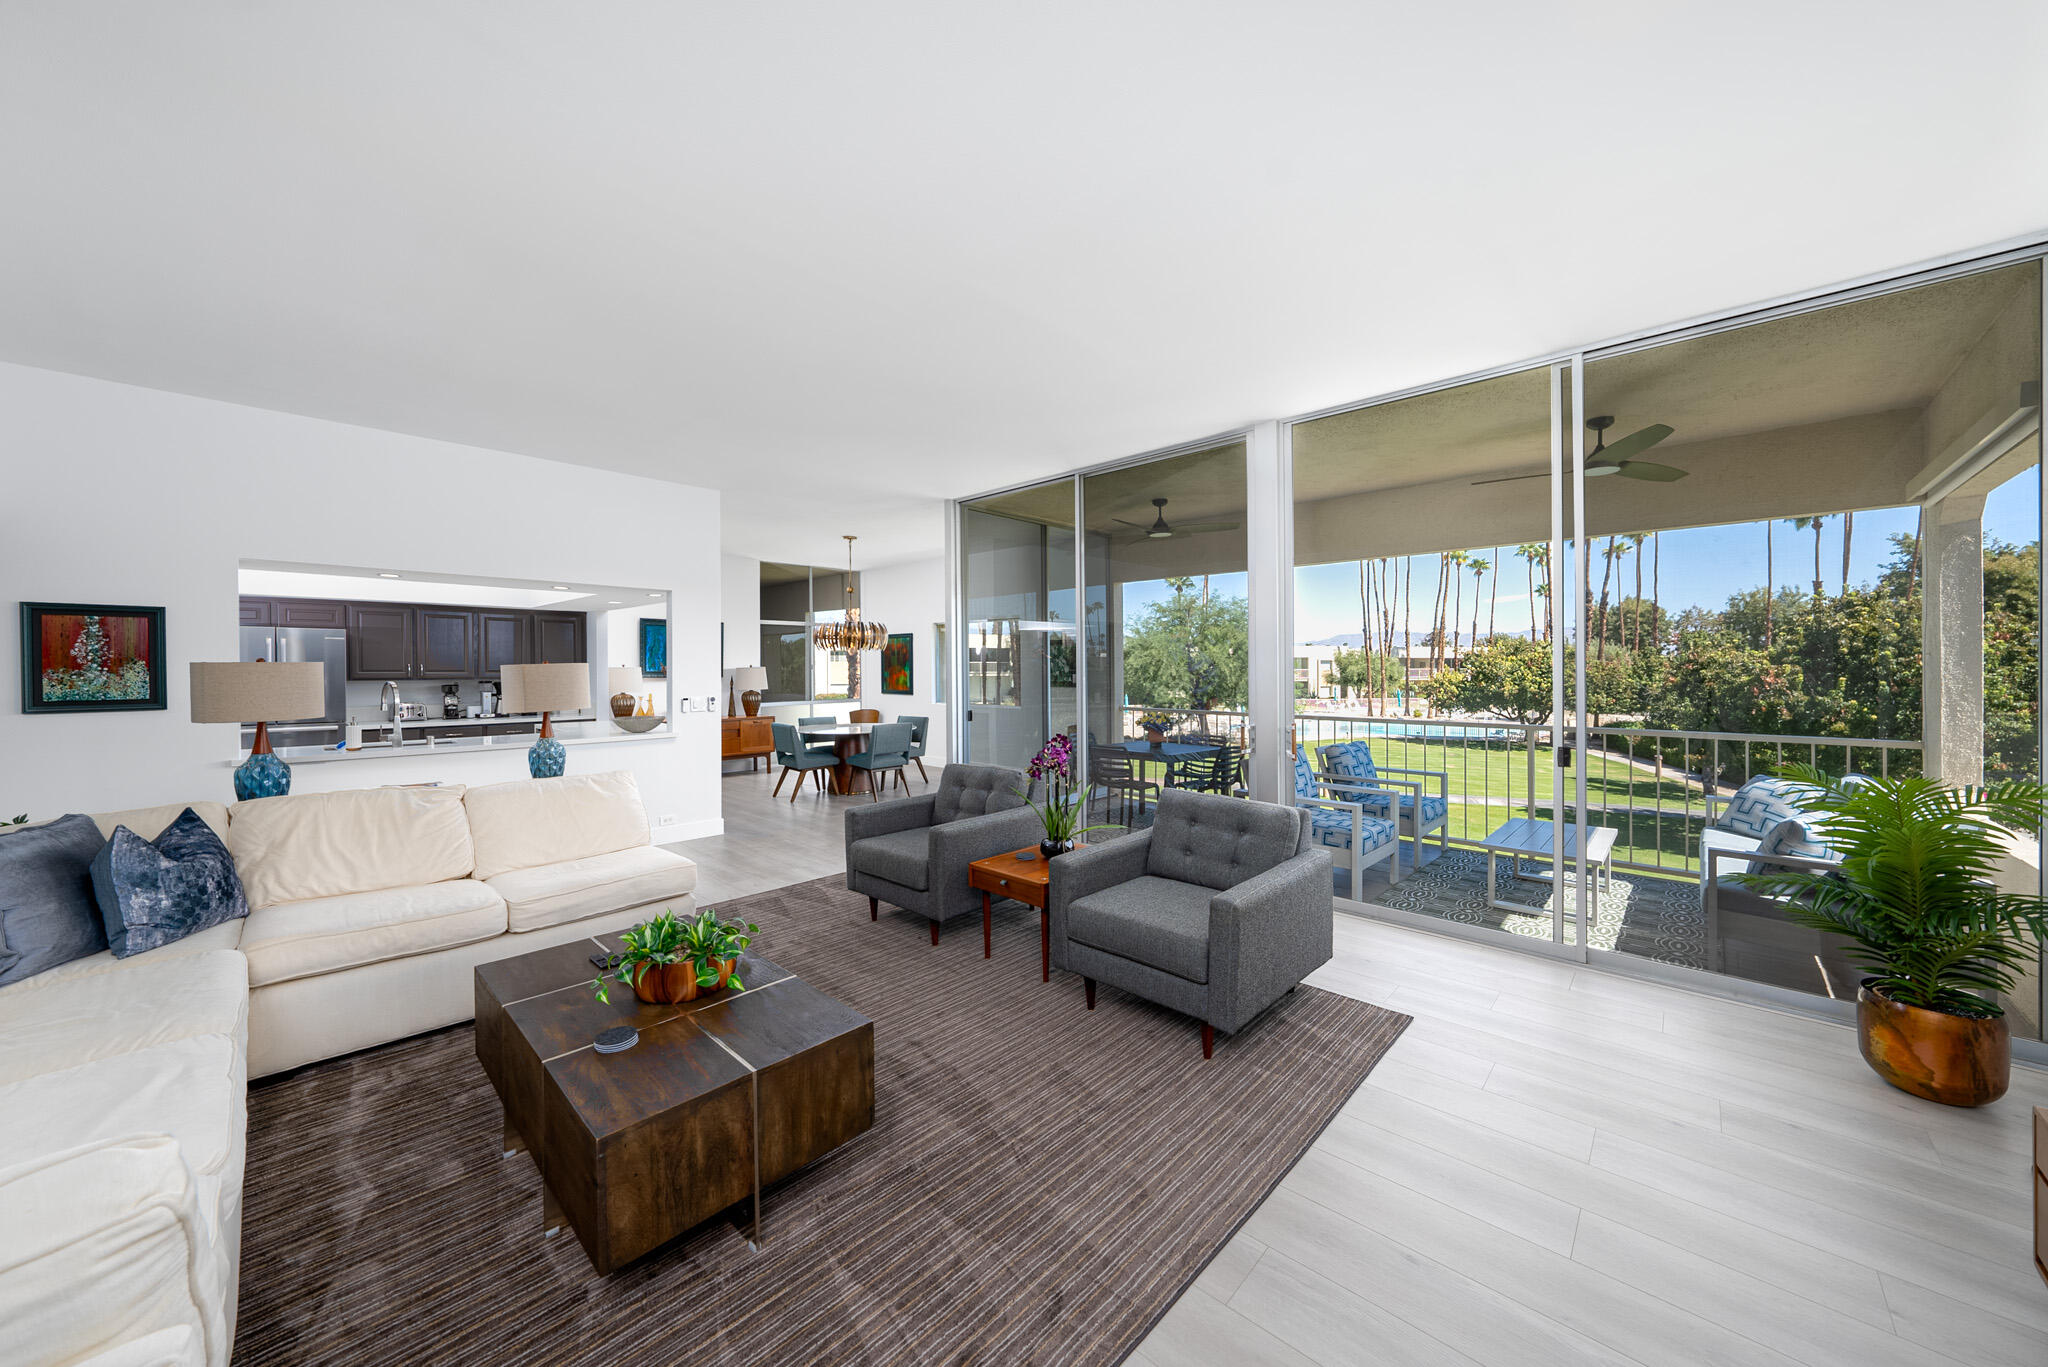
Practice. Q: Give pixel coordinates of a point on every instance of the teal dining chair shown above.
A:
(794, 758)
(888, 749)
(920, 728)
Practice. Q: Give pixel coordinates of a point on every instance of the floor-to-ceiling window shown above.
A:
(1018, 650)
(1166, 643)
(794, 599)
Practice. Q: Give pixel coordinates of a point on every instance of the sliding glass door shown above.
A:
(1018, 646)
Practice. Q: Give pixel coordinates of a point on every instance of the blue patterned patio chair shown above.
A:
(1340, 825)
(1349, 772)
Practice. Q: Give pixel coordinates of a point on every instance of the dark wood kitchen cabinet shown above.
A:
(308, 612)
(503, 638)
(380, 642)
(444, 643)
(559, 637)
(257, 612)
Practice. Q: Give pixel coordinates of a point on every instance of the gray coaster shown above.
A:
(616, 1040)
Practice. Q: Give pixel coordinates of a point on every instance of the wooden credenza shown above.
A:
(747, 738)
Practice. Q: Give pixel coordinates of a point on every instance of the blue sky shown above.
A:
(1701, 566)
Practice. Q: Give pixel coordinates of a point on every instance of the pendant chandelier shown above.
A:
(850, 635)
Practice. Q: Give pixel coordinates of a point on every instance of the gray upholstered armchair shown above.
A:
(914, 852)
(1218, 911)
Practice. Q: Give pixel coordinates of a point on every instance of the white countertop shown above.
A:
(561, 718)
(308, 754)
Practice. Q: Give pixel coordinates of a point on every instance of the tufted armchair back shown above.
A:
(976, 789)
(1219, 842)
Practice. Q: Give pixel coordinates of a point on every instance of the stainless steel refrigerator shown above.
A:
(320, 645)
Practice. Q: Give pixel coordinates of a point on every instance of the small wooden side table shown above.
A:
(1023, 880)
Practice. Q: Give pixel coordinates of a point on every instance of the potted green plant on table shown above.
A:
(1063, 810)
(667, 959)
(1915, 895)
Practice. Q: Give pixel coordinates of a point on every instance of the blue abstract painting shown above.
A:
(654, 647)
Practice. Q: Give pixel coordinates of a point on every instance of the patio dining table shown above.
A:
(848, 739)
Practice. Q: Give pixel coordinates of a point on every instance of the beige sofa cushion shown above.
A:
(553, 820)
(145, 1001)
(301, 846)
(106, 1246)
(326, 934)
(557, 893)
(149, 822)
(226, 935)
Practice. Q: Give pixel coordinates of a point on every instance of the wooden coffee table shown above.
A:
(1023, 880)
(721, 1096)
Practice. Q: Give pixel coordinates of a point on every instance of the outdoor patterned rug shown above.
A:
(1650, 917)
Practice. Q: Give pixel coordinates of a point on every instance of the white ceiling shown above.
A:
(842, 261)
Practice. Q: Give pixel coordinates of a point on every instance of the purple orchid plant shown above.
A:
(1057, 766)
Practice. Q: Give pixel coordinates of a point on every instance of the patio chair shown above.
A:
(1758, 829)
(1217, 912)
(1216, 773)
(1118, 776)
(920, 729)
(888, 750)
(1349, 771)
(794, 758)
(1344, 825)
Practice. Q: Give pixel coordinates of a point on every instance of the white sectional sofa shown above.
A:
(123, 1082)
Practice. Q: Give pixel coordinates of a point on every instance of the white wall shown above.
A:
(910, 596)
(739, 602)
(116, 494)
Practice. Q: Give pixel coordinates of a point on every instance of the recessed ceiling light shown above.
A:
(386, 574)
(654, 595)
(613, 602)
(562, 587)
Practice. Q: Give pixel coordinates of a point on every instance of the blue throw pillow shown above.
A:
(154, 892)
(47, 916)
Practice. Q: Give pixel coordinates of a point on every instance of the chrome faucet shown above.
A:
(388, 697)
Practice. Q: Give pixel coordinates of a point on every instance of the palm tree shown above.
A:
(1529, 552)
(1607, 575)
(1812, 524)
(1848, 531)
(1480, 565)
(1770, 581)
(1457, 560)
(1636, 540)
(1493, 598)
(1656, 597)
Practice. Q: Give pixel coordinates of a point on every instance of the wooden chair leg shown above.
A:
(1089, 984)
(778, 783)
(874, 910)
(935, 934)
(920, 770)
(1208, 1040)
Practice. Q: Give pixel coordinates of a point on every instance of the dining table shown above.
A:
(848, 739)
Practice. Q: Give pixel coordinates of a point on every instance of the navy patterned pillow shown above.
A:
(47, 916)
(154, 892)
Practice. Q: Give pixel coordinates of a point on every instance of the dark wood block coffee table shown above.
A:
(721, 1096)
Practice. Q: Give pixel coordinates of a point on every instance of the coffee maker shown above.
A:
(451, 701)
(488, 696)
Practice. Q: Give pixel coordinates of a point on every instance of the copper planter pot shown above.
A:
(1956, 1060)
(665, 984)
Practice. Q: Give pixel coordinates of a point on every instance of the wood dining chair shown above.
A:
(864, 714)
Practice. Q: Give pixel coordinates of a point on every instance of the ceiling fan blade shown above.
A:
(1183, 528)
(1636, 442)
(1509, 479)
(1650, 470)
(1141, 526)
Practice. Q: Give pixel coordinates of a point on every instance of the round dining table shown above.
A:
(848, 739)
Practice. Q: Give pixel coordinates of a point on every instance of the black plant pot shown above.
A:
(1047, 849)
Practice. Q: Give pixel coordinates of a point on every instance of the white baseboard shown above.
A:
(687, 830)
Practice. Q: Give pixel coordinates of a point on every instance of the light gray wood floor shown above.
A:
(1557, 1165)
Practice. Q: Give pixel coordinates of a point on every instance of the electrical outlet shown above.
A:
(667, 819)
(711, 704)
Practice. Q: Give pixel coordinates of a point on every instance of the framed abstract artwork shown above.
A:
(91, 657)
(654, 647)
(896, 665)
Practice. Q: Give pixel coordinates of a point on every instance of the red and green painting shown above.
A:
(896, 664)
(83, 657)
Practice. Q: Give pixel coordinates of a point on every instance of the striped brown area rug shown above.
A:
(1040, 1183)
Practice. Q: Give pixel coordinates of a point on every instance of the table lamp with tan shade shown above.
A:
(546, 689)
(261, 692)
(747, 683)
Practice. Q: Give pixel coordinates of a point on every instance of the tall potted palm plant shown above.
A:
(1915, 896)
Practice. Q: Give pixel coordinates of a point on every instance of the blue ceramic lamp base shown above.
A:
(548, 757)
(263, 774)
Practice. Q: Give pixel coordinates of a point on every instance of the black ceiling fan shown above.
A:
(1618, 459)
(1161, 529)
